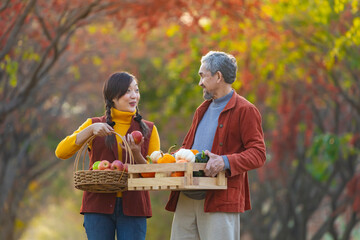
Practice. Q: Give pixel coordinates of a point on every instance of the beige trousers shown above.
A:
(190, 222)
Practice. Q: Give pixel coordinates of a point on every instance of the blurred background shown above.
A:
(298, 62)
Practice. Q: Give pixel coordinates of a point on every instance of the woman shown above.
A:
(124, 212)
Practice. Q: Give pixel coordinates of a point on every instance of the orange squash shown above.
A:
(194, 151)
(167, 157)
(148, 174)
(178, 173)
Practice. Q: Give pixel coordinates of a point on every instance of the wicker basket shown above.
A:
(100, 181)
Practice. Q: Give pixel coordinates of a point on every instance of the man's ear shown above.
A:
(219, 76)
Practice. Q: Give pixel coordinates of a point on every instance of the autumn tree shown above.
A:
(34, 36)
(310, 91)
(298, 64)
(38, 75)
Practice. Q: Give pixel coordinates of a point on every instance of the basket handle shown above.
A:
(129, 156)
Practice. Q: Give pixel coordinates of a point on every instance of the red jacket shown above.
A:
(135, 203)
(239, 136)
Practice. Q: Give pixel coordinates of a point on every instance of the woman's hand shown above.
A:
(101, 129)
(133, 146)
(98, 129)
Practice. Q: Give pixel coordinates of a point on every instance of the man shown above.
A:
(228, 128)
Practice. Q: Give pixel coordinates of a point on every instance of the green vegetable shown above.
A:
(200, 158)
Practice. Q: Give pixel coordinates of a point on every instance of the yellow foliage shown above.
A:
(19, 224)
(92, 29)
(96, 61)
(157, 62)
(75, 71)
(33, 186)
(172, 30)
(354, 6)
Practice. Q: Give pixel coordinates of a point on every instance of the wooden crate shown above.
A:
(163, 181)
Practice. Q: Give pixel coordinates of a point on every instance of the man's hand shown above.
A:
(214, 165)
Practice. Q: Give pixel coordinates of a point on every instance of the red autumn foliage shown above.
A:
(353, 192)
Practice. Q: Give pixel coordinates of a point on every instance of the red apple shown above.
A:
(117, 165)
(137, 135)
(104, 164)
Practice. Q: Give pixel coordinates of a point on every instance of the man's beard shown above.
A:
(207, 95)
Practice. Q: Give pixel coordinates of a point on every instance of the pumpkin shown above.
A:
(194, 151)
(185, 154)
(167, 157)
(156, 155)
(178, 173)
(148, 174)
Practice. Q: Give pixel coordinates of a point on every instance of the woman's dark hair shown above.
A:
(115, 87)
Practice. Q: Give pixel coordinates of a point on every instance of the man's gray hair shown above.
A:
(219, 61)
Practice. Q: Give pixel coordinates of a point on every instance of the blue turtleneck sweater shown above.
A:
(205, 132)
(204, 136)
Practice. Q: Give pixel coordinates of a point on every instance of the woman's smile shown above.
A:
(128, 102)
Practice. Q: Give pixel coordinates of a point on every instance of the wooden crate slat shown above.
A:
(162, 181)
(164, 167)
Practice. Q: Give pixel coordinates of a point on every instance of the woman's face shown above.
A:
(128, 101)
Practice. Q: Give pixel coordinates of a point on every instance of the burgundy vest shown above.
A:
(135, 203)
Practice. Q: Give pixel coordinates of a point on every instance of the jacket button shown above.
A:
(221, 125)
(221, 144)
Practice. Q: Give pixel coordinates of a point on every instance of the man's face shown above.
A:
(207, 82)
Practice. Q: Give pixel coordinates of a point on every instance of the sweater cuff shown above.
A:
(226, 162)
